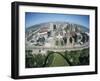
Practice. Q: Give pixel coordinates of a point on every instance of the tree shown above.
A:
(84, 57)
(39, 60)
(29, 59)
(34, 60)
(49, 60)
(73, 57)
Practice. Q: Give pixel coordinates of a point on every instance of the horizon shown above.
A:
(32, 19)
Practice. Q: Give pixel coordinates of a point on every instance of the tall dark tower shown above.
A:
(54, 27)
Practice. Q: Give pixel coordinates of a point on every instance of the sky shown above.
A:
(32, 18)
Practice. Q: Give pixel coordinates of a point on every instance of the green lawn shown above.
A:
(58, 61)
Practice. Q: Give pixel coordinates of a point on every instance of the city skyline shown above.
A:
(33, 18)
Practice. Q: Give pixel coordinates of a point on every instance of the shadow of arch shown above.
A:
(67, 60)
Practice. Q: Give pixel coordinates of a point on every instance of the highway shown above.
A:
(63, 48)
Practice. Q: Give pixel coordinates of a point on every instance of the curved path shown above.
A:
(65, 58)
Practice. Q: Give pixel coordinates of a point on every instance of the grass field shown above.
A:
(58, 61)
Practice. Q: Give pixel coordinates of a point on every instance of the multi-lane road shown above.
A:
(62, 48)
